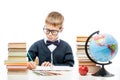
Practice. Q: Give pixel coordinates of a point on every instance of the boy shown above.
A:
(51, 50)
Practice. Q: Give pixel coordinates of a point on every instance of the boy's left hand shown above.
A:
(46, 64)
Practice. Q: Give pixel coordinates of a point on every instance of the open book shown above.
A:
(51, 70)
(54, 68)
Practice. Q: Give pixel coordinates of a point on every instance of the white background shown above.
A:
(23, 20)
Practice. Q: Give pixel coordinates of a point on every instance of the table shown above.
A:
(66, 75)
(30, 75)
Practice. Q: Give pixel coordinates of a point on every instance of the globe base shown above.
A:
(103, 72)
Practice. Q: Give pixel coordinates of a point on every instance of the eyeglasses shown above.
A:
(53, 32)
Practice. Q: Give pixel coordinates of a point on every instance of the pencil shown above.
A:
(53, 73)
(29, 56)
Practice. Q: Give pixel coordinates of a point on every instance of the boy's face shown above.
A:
(52, 32)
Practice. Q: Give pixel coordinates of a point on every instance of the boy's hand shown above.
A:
(46, 64)
(31, 65)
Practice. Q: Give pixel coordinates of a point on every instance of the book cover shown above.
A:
(16, 49)
(17, 58)
(87, 63)
(81, 38)
(15, 62)
(17, 45)
(22, 72)
(16, 69)
(16, 66)
(17, 54)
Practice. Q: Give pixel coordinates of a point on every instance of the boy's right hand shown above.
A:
(31, 65)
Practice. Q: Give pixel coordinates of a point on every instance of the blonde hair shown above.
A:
(55, 19)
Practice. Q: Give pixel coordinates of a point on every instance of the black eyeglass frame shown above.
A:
(48, 31)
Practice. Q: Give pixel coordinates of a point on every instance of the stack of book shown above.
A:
(17, 57)
(82, 56)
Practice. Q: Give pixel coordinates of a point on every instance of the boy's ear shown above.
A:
(61, 29)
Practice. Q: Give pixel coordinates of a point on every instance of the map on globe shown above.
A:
(103, 47)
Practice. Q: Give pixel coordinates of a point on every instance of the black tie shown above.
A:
(50, 42)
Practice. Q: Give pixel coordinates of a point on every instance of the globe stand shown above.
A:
(103, 72)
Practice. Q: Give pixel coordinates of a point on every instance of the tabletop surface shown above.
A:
(69, 74)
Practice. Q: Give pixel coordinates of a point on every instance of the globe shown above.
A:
(102, 49)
